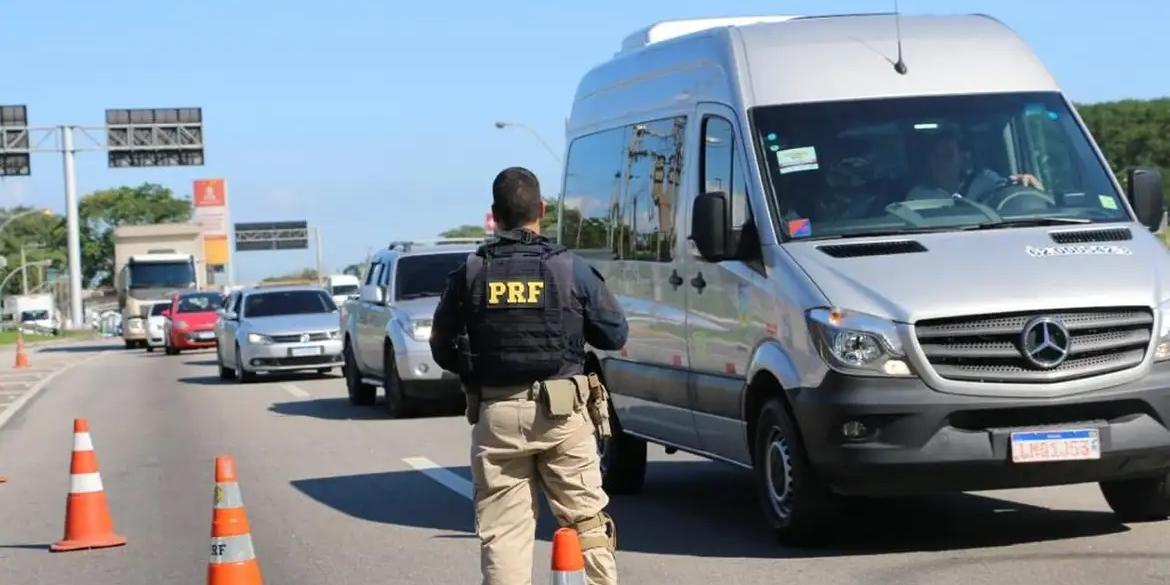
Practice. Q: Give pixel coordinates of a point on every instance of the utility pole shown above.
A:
(23, 272)
(317, 246)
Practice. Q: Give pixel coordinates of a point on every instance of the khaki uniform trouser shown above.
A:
(515, 449)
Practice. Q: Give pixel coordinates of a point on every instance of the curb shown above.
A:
(17, 405)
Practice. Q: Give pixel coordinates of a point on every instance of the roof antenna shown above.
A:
(900, 65)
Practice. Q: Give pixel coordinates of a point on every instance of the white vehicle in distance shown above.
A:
(388, 328)
(342, 287)
(863, 273)
(279, 329)
(156, 321)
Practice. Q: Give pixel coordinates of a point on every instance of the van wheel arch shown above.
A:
(764, 386)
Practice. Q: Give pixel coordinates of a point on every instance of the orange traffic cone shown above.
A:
(233, 560)
(21, 356)
(87, 517)
(568, 564)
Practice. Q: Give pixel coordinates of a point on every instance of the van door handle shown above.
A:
(675, 280)
(698, 282)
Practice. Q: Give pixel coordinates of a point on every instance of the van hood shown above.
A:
(990, 271)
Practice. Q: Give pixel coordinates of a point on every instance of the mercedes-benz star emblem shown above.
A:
(304, 337)
(1045, 342)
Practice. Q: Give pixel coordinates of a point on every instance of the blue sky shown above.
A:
(374, 119)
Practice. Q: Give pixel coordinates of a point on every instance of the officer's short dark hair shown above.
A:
(515, 198)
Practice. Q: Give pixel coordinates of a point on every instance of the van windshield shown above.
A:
(932, 164)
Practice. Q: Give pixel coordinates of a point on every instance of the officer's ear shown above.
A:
(543, 209)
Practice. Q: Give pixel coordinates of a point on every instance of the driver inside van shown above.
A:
(948, 175)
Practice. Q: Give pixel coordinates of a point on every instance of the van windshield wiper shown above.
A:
(1029, 222)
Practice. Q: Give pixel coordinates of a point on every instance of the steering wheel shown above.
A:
(1016, 198)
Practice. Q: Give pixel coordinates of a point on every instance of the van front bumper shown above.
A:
(918, 440)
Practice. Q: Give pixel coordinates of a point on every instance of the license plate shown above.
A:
(205, 336)
(304, 351)
(1063, 445)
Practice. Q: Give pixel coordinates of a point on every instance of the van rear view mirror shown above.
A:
(709, 228)
(1145, 195)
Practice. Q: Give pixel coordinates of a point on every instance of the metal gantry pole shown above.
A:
(23, 272)
(317, 245)
(73, 226)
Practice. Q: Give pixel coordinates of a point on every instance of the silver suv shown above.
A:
(387, 329)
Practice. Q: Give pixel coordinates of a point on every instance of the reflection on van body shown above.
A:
(860, 280)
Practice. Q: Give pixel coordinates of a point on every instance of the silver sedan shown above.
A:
(262, 330)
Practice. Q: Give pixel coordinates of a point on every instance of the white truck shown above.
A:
(150, 263)
(32, 311)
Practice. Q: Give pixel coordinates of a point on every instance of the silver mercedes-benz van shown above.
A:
(862, 261)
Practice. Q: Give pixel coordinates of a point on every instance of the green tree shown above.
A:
(464, 231)
(102, 211)
(42, 236)
(1132, 133)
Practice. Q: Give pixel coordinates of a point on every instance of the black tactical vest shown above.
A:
(524, 324)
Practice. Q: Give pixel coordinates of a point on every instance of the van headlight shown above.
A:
(857, 343)
(1162, 351)
(419, 329)
(258, 339)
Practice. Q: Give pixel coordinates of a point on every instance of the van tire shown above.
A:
(800, 513)
(1139, 500)
(360, 393)
(623, 460)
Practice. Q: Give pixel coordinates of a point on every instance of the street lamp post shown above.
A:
(503, 125)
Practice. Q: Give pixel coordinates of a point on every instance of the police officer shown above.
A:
(513, 323)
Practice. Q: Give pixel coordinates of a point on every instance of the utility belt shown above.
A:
(558, 399)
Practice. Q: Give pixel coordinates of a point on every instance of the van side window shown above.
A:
(654, 157)
(721, 169)
(592, 195)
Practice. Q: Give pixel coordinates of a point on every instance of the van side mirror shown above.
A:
(229, 315)
(1145, 195)
(709, 228)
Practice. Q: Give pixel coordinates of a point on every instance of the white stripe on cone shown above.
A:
(82, 442)
(84, 483)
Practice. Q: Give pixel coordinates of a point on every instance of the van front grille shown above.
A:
(989, 348)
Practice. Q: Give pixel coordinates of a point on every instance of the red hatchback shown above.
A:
(191, 321)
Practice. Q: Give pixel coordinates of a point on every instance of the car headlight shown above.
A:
(857, 343)
(180, 325)
(259, 339)
(419, 329)
(1162, 351)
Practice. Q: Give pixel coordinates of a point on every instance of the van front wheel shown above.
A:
(1139, 500)
(623, 460)
(798, 506)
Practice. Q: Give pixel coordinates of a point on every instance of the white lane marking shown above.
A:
(444, 476)
(14, 407)
(295, 390)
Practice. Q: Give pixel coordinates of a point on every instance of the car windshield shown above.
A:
(200, 303)
(34, 315)
(287, 302)
(425, 275)
(161, 274)
(932, 164)
(345, 289)
(157, 310)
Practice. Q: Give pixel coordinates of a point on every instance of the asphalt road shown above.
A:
(339, 494)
